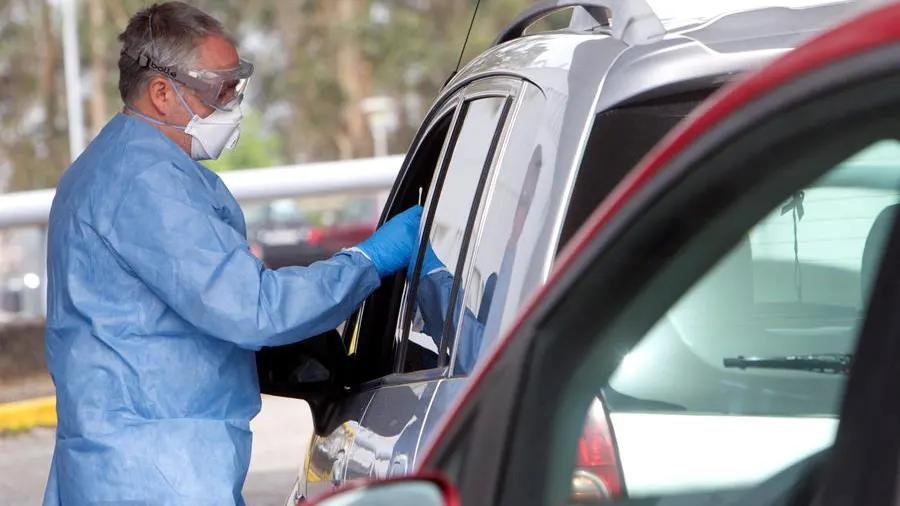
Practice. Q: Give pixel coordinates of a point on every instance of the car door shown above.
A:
(391, 436)
(680, 247)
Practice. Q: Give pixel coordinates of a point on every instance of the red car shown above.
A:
(790, 141)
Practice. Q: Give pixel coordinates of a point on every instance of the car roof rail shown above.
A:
(631, 21)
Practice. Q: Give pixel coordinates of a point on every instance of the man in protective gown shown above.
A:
(155, 302)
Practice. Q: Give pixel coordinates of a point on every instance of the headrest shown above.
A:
(876, 241)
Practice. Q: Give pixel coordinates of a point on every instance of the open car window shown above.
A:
(435, 289)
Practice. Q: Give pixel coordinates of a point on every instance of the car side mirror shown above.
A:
(404, 491)
(313, 370)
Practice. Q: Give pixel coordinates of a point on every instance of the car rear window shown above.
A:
(619, 139)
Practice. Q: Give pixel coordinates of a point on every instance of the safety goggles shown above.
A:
(222, 88)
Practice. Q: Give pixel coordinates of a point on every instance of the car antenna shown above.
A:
(465, 43)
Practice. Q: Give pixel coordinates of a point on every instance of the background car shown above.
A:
(519, 149)
(352, 223)
(282, 233)
(676, 268)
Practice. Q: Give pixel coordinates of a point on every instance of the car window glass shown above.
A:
(487, 291)
(728, 367)
(451, 211)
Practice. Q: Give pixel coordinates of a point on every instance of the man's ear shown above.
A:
(161, 95)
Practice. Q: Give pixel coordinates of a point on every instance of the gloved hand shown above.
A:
(430, 262)
(391, 246)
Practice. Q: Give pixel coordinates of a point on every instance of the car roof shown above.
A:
(872, 30)
(691, 54)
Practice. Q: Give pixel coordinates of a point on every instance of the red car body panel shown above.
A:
(869, 31)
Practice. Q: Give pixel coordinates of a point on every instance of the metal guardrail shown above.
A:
(32, 208)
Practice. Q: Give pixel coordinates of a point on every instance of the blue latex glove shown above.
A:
(391, 246)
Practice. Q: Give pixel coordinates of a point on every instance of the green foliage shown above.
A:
(315, 60)
(255, 149)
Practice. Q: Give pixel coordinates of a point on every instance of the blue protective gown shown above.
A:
(155, 308)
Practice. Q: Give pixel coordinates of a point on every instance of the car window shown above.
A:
(370, 334)
(286, 211)
(794, 285)
(742, 373)
(450, 204)
(486, 293)
(254, 213)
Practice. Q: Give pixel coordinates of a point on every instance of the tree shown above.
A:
(256, 149)
(316, 61)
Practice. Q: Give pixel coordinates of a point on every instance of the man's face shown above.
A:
(215, 53)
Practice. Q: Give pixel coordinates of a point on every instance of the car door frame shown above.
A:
(429, 380)
(857, 52)
(510, 89)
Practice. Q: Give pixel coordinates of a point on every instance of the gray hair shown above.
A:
(169, 34)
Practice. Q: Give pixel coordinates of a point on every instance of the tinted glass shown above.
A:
(451, 212)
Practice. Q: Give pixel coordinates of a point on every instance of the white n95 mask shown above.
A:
(210, 135)
(214, 133)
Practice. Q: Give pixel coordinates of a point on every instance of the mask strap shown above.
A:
(163, 123)
(181, 98)
(144, 117)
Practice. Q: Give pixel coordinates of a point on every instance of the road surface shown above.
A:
(281, 433)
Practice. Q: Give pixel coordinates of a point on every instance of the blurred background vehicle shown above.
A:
(283, 233)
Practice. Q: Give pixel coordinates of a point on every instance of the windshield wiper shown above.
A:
(825, 363)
